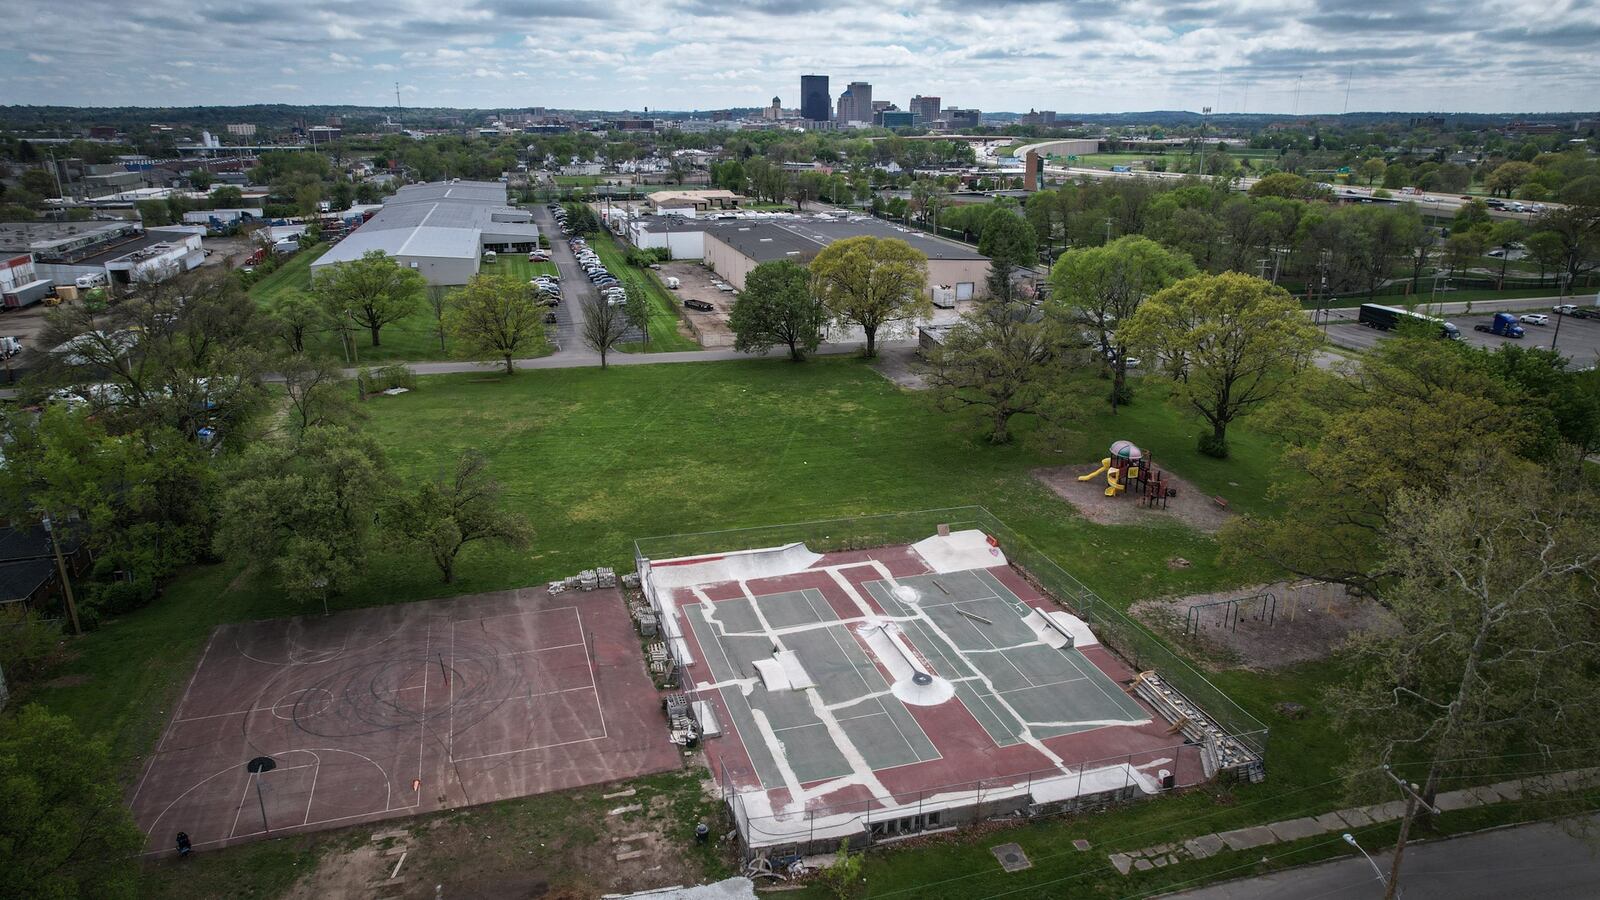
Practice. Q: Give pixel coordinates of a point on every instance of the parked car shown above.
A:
(1565, 309)
(550, 318)
(1534, 319)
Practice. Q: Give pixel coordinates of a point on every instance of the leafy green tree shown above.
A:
(372, 291)
(1505, 235)
(1229, 341)
(1001, 360)
(1281, 184)
(438, 296)
(843, 879)
(495, 315)
(1577, 234)
(66, 832)
(871, 282)
(295, 316)
(341, 195)
(1464, 249)
(1007, 239)
(1408, 406)
(317, 393)
(1373, 169)
(1095, 289)
(1496, 597)
(154, 213)
(306, 511)
(637, 308)
(38, 181)
(227, 197)
(308, 199)
(200, 179)
(1506, 178)
(777, 307)
(1471, 215)
(441, 517)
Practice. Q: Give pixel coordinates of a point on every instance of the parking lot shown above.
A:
(1579, 339)
(695, 283)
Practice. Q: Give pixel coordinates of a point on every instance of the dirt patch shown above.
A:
(902, 366)
(695, 283)
(1272, 626)
(1191, 506)
(361, 872)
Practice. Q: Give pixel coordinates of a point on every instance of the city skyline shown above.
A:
(1309, 57)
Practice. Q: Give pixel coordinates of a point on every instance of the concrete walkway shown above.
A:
(1338, 821)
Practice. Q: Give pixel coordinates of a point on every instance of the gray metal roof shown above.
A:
(800, 237)
(438, 219)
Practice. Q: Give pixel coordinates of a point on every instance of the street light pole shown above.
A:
(1351, 840)
(1557, 333)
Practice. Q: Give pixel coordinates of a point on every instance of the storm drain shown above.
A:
(1011, 857)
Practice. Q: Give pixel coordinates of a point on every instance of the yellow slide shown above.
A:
(1104, 465)
(1116, 487)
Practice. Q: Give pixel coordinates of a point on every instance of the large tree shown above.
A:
(605, 325)
(637, 307)
(295, 316)
(495, 315)
(66, 832)
(777, 307)
(1007, 238)
(371, 292)
(1001, 360)
(1229, 341)
(1095, 289)
(871, 282)
(1496, 598)
(442, 516)
(306, 510)
(1401, 415)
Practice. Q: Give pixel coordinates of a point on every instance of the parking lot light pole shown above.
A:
(1557, 333)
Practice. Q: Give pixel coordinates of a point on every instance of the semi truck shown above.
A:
(1388, 318)
(1504, 324)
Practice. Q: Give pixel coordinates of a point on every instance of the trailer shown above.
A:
(28, 294)
(1388, 318)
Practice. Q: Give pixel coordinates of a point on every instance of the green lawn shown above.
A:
(412, 339)
(665, 335)
(293, 275)
(596, 458)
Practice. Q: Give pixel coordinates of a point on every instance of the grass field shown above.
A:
(412, 339)
(595, 458)
(665, 335)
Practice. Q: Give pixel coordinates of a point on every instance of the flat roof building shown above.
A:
(440, 229)
(690, 202)
(732, 249)
(816, 103)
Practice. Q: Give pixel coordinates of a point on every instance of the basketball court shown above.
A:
(315, 722)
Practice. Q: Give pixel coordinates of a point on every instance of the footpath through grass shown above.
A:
(414, 338)
(596, 458)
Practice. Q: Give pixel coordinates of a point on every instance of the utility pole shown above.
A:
(1413, 799)
(61, 567)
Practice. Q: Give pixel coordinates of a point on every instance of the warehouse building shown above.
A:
(440, 229)
(123, 251)
(682, 237)
(732, 249)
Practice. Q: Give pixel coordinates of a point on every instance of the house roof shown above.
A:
(21, 580)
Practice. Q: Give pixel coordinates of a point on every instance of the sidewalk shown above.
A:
(1208, 845)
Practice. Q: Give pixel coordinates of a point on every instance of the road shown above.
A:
(1541, 860)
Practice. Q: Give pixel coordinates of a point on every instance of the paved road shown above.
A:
(576, 288)
(1541, 861)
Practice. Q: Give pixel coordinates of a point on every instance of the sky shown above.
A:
(1072, 56)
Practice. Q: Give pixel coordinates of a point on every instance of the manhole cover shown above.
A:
(1011, 857)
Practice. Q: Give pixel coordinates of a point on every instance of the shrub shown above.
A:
(28, 643)
(394, 376)
(1213, 446)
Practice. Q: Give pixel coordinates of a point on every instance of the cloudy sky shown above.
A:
(1074, 56)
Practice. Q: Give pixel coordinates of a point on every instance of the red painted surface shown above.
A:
(479, 698)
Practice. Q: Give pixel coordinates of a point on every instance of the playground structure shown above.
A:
(1128, 466)
(1261, 607)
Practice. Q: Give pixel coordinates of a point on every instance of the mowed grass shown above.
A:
(597, 458)
(414, 338)
(664, 333)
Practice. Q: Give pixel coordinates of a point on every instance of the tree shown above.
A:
(1577, 233)
(495, 315)
(441, 517)
(604, 326)
(306, 511)
(1470, 215)
(1373, 169)
(637, 309)
(1001, 360)
(317, 391)
(1230, 341)
(1463, 249)
(200, 179)
(1007, 239)
(38, 182)
(1505, 235)
(1497, 603)
(66, 832)
(842, 878)
(372, 291)
(295, 315)
(871, 282)
(438, 296)
(1508, 177)
(1281, 184)
(1410, 405)
(1096, 288)
(227, 197)
(777, 307)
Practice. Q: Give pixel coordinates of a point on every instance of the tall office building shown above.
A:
(816, 103)
(855, 104)
(926, 108)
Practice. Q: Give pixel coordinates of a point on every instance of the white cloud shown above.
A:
(40, 58)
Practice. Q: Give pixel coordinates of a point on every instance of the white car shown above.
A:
(1565, 309)
(1534, 319)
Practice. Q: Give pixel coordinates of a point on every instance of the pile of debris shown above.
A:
(589, 579)
(684, 731)
(644, 618)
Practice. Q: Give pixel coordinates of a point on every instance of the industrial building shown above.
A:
(440, 229)
(124, 251)
(683, 237)
(690, 202)
(732, 249)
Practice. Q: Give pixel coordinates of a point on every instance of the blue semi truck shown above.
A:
(1504, 324)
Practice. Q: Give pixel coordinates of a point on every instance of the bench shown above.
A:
(1219, 501)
